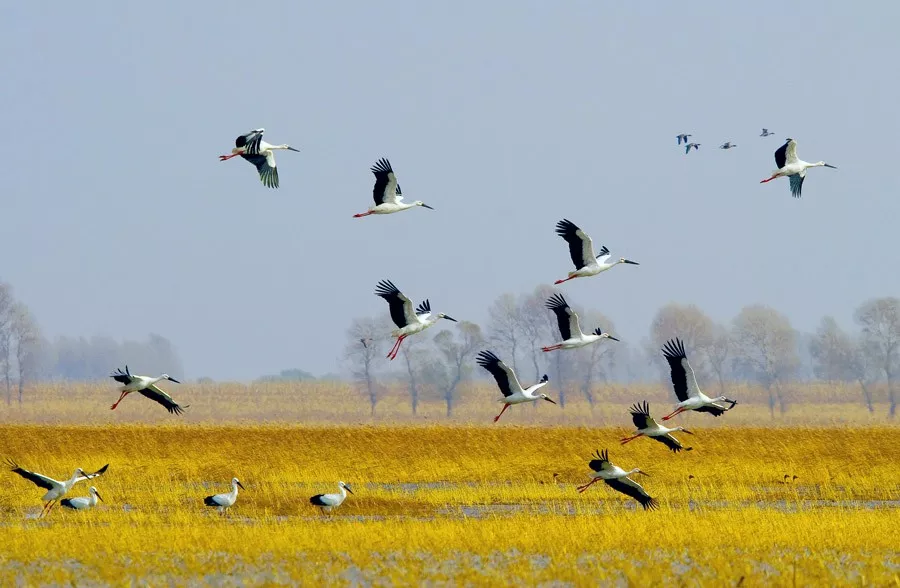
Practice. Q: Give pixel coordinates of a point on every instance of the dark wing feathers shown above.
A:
(382, 169)
(713, 409)
(424, 308)
(796, 181)
(781, 155)
(602, 457)
(387, 290)
(636, 492)
(250, 141)
(673, 350)
(120, 376)
(157, 395)
(489, 361)
(560, 308)
(67, 503)
(268, 175)
(36, 479)
(569, 231)
(317, 500)
(671, 442)
(211, 501)
(640, 415)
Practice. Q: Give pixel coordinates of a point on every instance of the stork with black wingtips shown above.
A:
(387, 194)
(512, 390)
(617, 479)
(684, 382)
(648, 427)
(56, 489)
(251, 147)
(146, 385)
(569, 327)
(581, 249)
(792, 167)
(409, 321)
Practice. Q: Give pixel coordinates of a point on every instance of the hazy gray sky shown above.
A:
(504, 116)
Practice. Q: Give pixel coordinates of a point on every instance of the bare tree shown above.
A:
(595, 362)
(838, 358)
(691, 325)
(457, 351)
(536, 324)
(718, 353)
(765, 347)
(26, 337)
(362, 351)
(879, 319)
(505, 327)
(413, 356)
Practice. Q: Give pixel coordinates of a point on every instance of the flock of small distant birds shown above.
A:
(411, 320)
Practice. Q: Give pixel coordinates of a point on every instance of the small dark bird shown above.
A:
(687, 148)
(727, 145)
(765, 133)
(682, 138)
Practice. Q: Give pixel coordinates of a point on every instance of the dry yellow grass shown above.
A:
(467, 504)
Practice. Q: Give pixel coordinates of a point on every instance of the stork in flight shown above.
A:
(685, 384)
(513, 392)
(261, 154)
(727, 145)
(387, 192)
(581, 249)
(617, 479)
(682, 138)
(408, 321)
(147, 387)
(648, 427)
(569, 329)
(687, 148)
(792, 167)
(765, 133)
(55, 488)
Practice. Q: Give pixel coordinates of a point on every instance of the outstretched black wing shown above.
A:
(629, 487)
(640, 415)
(601, 461)
(158, 395)
(581, 249)
(505, 377)
(400, 306)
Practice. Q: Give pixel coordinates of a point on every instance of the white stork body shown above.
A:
(82, 503)
(55, 489)
(792, 167)
(648, 427)
(513, 392)
(225, 500)
(251, 147)
(685, 384)
(569, 327)
(387, 194)
(581, 249)
(146, 385)
(328, 502)
(617, 479)
(408, 321)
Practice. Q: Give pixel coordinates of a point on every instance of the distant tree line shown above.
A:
(759, 346)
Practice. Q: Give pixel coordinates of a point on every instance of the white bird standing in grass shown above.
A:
(261, 154)
(685, 384)
(513, 392)
(387, 192)
(791, 166)
(331, 501)
(617, 479)
(408, 321)
(225, 500)
(648, 427)
(581, 249)
(569, 328)
(147, 387)
(55, 488)
(82, 503)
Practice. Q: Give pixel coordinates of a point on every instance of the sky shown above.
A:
(504, 116)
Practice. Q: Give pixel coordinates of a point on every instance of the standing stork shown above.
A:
(765, 133)
(387, 194)
(617, 479)
(225, 500)
(513, 392)
(55, 488)
(687, 148)
(648, 427)
(791, 166)
(581, 248)
(408, 321)
(569, 328)
(82, 503)
(331, 501)
(685, 384)
(147, 387)
(727, 145)
(261, 154)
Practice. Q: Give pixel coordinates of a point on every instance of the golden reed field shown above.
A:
(438, 501)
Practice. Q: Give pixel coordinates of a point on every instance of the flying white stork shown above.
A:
(513, 392)
(225, 500)
(727, 145)
(55, 488)
(792, 167)
(765, 133)
(648, 427)
(408, 321)
(581, 248)
(682, 138)
(82, 503)
(685, 384)
(331, 501)
(387, 192)
(617, 479)
(687, 148)
(569, 329)
(147, 387)
(261, 154)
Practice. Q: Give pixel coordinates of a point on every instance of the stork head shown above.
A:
(236, 482)
(289, 148)
(81, 472)
(628, 261)
(449, 318)
(823, 164)
(93, 491)
(604, 335)
(170, 378)
(640, 471)
(420, 203)
(682, 429)
(345, 487)
(548, 399)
